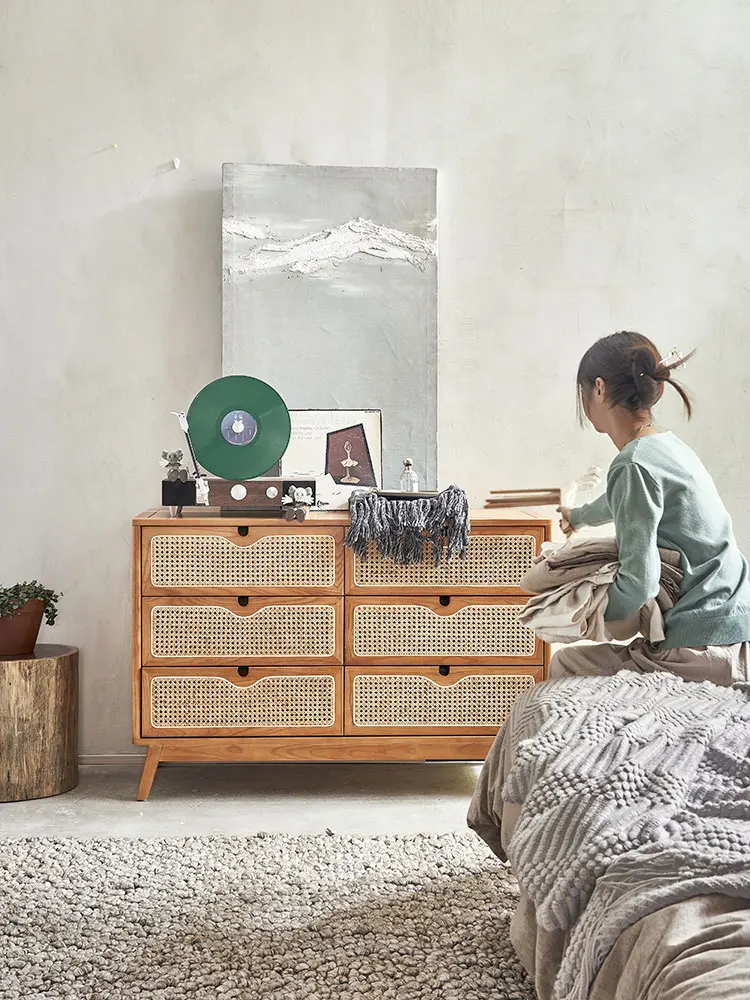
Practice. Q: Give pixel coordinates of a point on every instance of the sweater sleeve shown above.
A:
(635, 499)
(595, 513)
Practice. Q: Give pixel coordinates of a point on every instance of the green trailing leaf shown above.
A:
(13, 599)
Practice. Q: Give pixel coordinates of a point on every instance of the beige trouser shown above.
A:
(723, 665)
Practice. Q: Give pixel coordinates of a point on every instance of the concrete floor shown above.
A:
(243, 799)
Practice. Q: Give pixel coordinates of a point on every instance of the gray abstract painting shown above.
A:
(330, 295)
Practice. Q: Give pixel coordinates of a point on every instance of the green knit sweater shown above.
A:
(660, 494)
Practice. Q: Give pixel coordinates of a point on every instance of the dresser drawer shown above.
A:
(439, 630)
(218, 701)
(421, 700)
(220, 560)
(204, 630)
(496, 560)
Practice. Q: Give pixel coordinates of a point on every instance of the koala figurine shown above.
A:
(172, 460)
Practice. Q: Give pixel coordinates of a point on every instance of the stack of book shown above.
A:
(524, 498)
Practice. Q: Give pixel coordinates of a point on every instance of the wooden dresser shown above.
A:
(267, 640)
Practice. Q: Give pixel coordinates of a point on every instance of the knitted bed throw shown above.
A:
(635, 794)
(399, 527)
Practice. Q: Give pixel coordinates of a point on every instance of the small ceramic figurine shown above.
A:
(296, 502)
(172, 462)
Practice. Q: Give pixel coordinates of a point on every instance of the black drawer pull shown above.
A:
(243, 671)
(242, 529)
(242, 601)
(443, 670)
(445, 600)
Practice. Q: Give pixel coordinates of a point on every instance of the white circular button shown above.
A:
(272, 492)
(238, 491)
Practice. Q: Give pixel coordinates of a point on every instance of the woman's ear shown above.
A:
(600, 388)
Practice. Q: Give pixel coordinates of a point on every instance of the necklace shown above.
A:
(635, 434)
(641, 428)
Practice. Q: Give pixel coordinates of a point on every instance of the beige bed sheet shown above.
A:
(698, 949)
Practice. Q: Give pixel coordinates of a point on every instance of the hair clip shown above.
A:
(674, 359)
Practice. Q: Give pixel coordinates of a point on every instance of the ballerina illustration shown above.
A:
(349, 463)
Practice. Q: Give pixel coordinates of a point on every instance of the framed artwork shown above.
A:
(348, 460)
(345, 445)
(329, 293)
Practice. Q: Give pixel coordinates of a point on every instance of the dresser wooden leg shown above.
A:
(149, 771)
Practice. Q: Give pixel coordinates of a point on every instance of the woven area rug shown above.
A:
(261, 918)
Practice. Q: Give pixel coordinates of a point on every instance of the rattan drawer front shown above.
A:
(482, 630)
(419, 700)
(220, 702)
(219, 560)
(197, 631)
(496, 561)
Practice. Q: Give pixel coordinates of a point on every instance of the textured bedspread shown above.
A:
(623, 795)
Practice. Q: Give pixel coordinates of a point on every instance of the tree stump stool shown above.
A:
(39, 724)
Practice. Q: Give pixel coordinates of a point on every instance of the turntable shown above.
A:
(237, 428)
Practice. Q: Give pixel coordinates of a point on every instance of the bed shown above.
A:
(623, 806)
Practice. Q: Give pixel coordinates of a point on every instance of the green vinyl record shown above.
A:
(239, 427)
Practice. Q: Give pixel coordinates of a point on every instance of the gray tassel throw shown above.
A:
(400, 528)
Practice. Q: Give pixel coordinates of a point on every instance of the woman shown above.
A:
(659, 495)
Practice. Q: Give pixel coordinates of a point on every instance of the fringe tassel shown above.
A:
(399, 527)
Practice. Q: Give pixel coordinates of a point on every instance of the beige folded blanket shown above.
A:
(571, 589)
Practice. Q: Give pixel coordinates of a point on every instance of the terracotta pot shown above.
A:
(18, 632)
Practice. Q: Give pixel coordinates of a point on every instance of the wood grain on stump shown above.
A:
(39, 724)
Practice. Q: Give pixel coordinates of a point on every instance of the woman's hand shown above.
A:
(565, 526)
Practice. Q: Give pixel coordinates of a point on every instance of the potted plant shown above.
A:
(21, 610)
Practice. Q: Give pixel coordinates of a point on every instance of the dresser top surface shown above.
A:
(334, 518)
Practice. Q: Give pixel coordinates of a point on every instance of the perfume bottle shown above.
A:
(409, 478)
